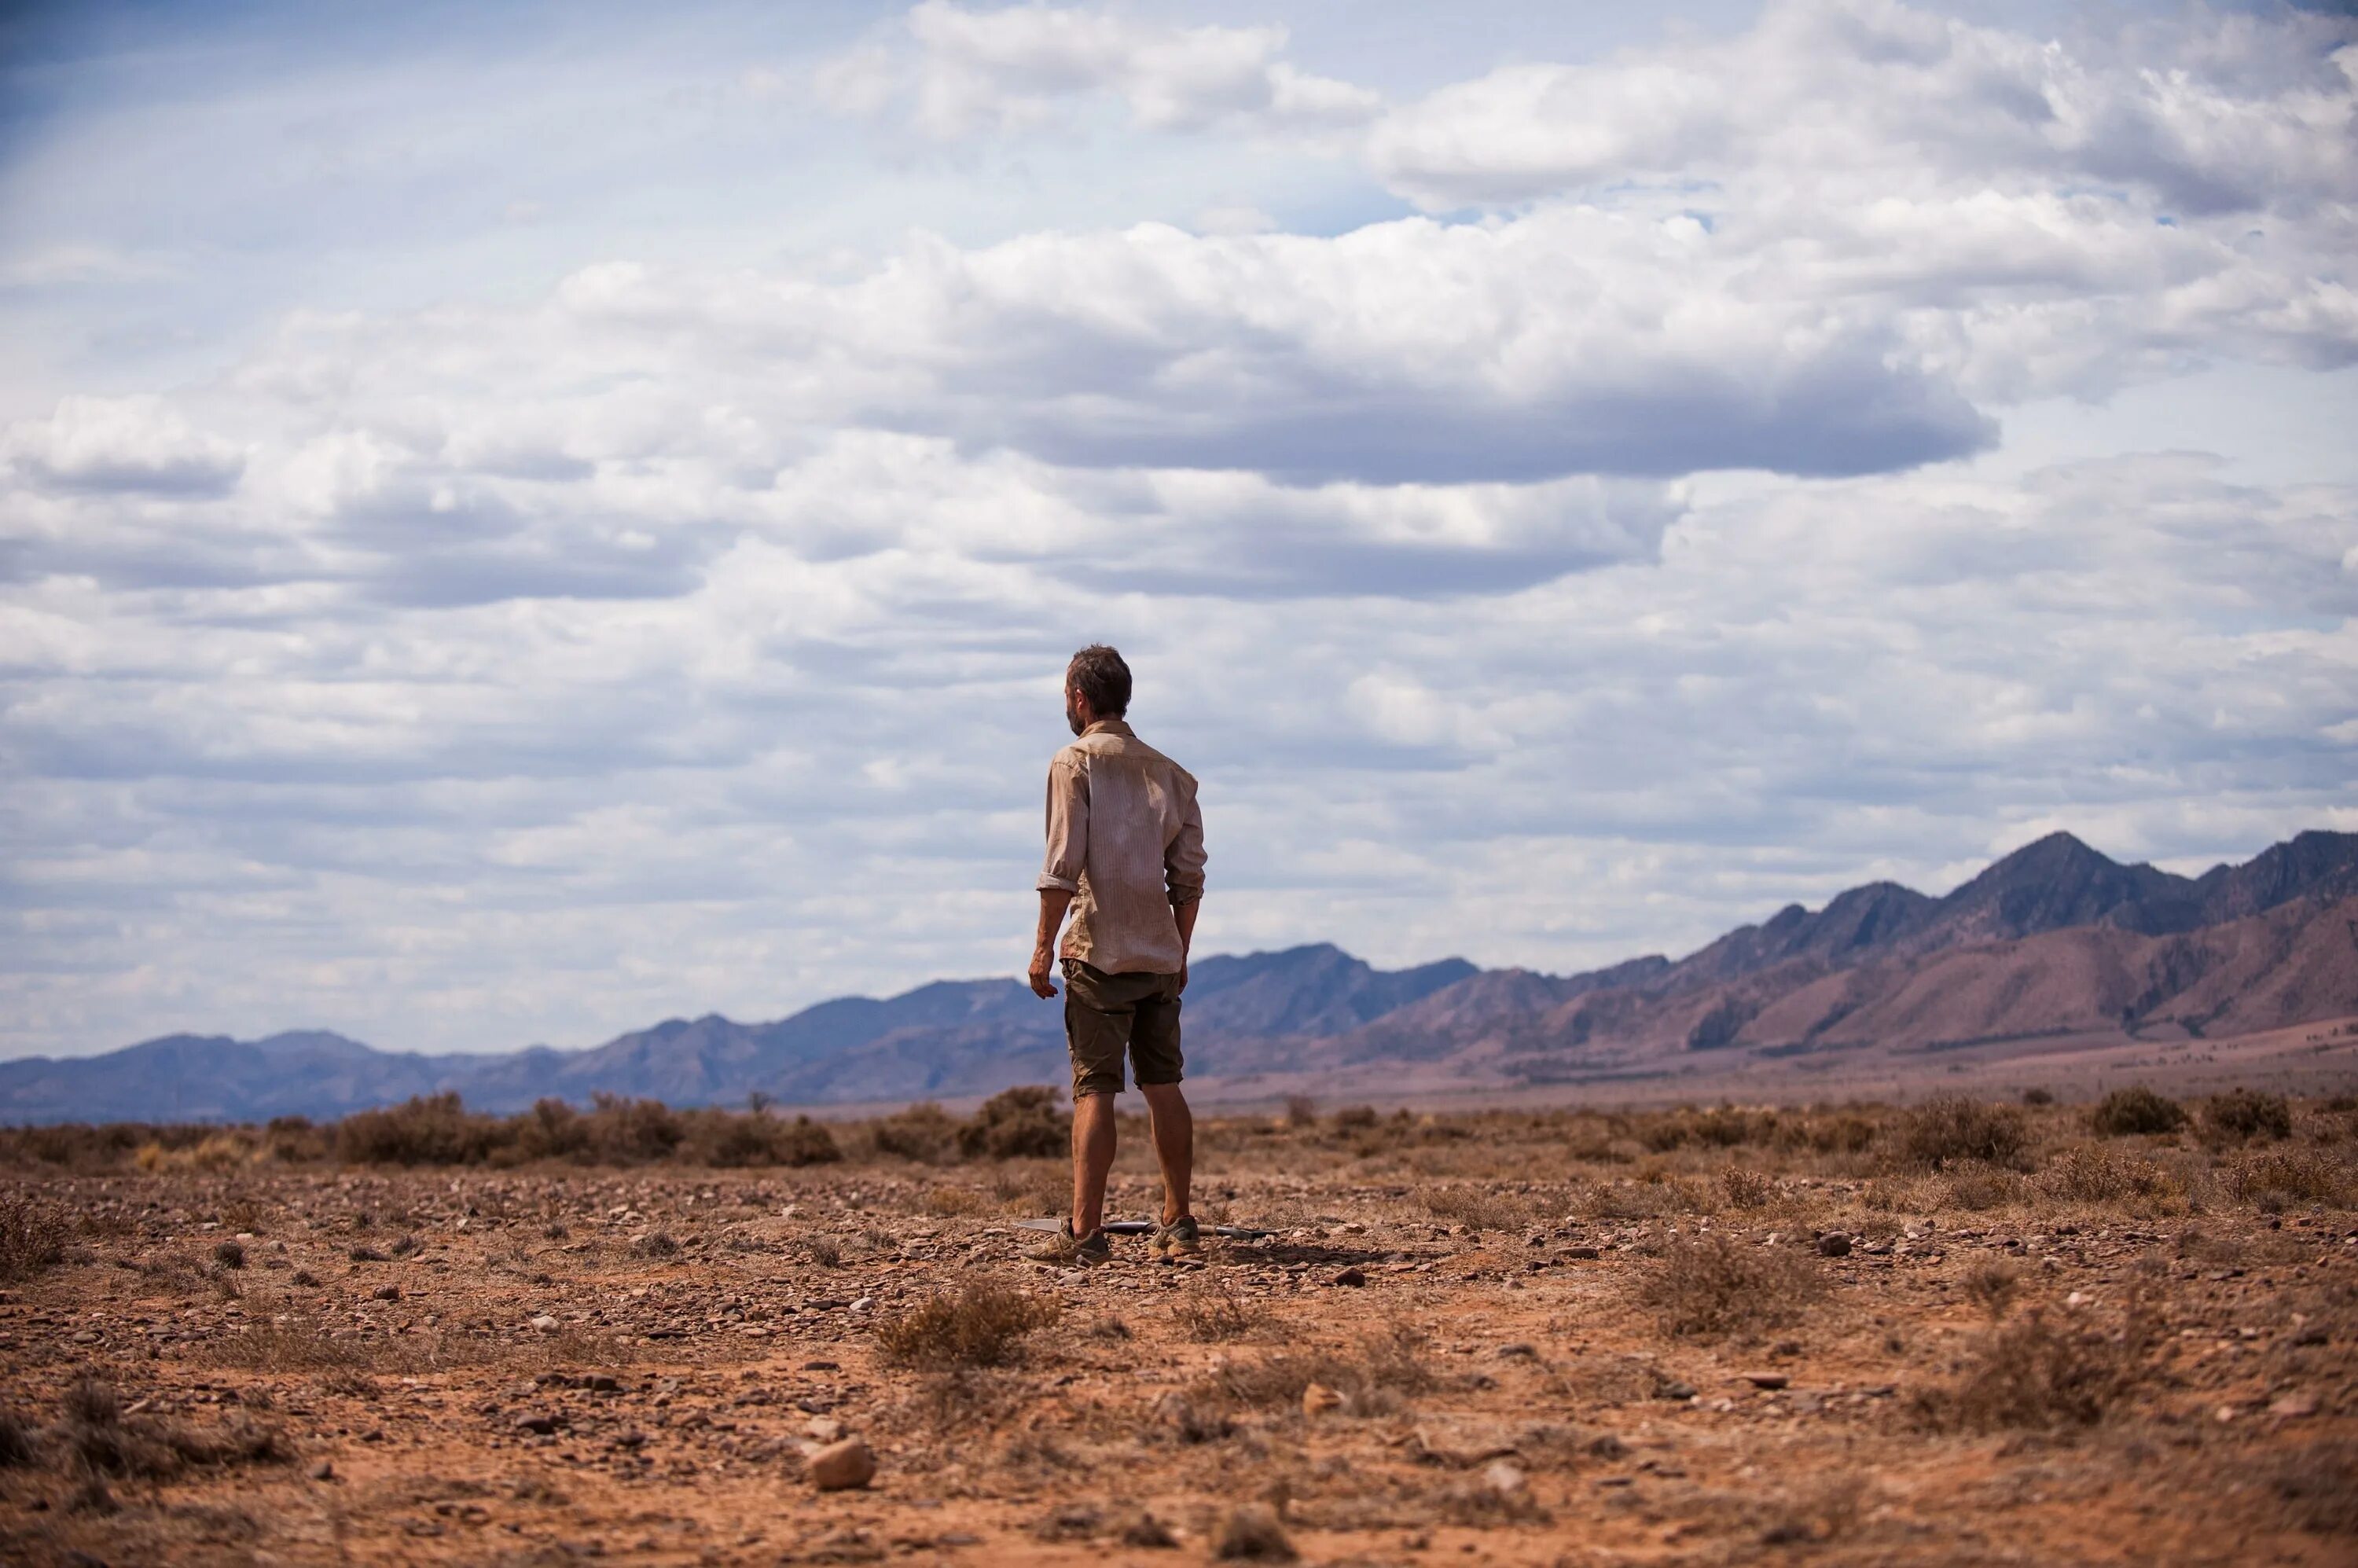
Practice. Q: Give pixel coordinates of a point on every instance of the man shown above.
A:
(1126, 857)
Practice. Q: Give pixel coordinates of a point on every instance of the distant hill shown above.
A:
(2054, 939)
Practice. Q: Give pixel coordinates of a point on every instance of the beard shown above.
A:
(1073, 717)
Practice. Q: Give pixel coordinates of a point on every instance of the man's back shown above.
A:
(1125, 836)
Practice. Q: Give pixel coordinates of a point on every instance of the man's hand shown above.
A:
(1053, 901)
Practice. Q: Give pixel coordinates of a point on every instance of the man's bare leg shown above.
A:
(1093, 1143)
(1175, 1145)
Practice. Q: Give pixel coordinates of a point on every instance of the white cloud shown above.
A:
(961, 71)
(137, 443)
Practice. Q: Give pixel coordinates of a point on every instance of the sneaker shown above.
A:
(1180, 1238)
(1088, 1251)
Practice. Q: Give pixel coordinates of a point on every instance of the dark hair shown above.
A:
(1098, 673)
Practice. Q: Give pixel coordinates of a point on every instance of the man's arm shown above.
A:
(1183, 877)
(1053, 901)
(1060, 872)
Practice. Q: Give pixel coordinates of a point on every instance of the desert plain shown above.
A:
(1964, 1330)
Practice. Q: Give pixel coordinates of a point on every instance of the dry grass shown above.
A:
(2316, 1488)
(2096, 1174)
(1216, 1317)
(2271, 1177)
(1372, 1377)
(33, 1237)
(1949, 1130)
(2241, 1116)
(981, 1323)
(2047, 1369)
(1477, 1209)
(1713, 1285)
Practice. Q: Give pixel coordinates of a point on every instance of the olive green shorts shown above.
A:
(1105, 1015)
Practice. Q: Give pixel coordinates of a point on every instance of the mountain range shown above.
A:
(2054, 941)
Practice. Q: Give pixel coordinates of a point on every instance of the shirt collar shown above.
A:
(1110, 727)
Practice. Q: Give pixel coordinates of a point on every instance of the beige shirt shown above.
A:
(1126, 839)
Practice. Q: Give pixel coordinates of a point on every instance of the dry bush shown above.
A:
(981, 1323)
(424, 1131)
(32, 1237)
(551, 1129)
(2272, 1177)
(1016, 1123)
(1713, 1285)
(1477, 1209)
(2135, 1111)
(1213, 1318)
(1251, 1534)
(2239, 1115)
(19, 1446)
(1386, 1366)
(2316, 1487)
(625, 1131)
(1745, 1188)
(730, 1139)
(1976, 1187)
(953, 1203)
(1353, 1118)
(101, 1440)
(2046, 1370)
(924, 1132)
(1300, 1112)
(2096, 1174)
(1949, 1129)
(1992, 1283)
(293, 1347)
(2035, 1095)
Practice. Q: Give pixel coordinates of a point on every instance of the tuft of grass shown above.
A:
(1745, 1188)
(2272, 1177)
(981, 1323)
(19, 1446)
(2135, 1111)
(1992, 1283)
(1214, 1318)
(33, 1237)
(229, 1254)
(1251, 1534)
(1477, 1209)
(1386, 1366)
(1713, 1285)
(2096, 1174)
(655, 1244)
(2046, 1370)
(1950, 1128)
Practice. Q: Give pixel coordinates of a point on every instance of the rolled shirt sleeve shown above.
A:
(1068, 828)
(1183, 862)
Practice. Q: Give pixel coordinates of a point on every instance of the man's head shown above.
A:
(1096, 686)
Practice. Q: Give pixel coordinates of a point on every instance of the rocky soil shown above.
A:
(1503, 1338)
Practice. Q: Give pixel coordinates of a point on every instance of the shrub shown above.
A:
(924, 1132)
(1300, 1112)
(2241, 1114)
(1947, 1129)
(2038, 1097)
(32, 1237)
(2094, 1173)
(756, 1139)
(2274, 1176)
(1991, 1284)
(1251, 1534)
(2046, 1370)
(424, 1131)
(551, 1129)
(1713, 1285)
(1745, 1188)
(2135, 1111)
(1354, 1117)
(229, 1254)
(1015, 1123)
(624, 1131)
(980, 1324)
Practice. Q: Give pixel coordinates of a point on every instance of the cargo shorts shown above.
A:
(1105, 1015)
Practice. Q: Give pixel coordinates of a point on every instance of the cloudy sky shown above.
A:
(516, 522)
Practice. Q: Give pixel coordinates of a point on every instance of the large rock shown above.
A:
(841, 1466)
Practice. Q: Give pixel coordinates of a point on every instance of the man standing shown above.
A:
(1126, 857)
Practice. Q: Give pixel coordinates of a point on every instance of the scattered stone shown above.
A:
(841, 1466)
(385, 1293)
(824, 1429)
(1507, 1482)
(1075, 1521)
(1672, 1388)
(324, 1470)
(1833, 1244)
(1354, 1275)
(1317, 1399)
(1518, 1352)
(546, 1324)
(2295, 1407)
(540, 1423)
(1582, 1252)
(1766, 1379)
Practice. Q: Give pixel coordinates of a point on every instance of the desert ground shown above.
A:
(1968, 1331)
